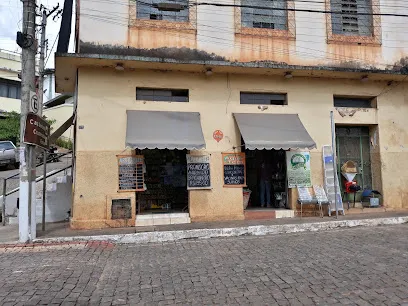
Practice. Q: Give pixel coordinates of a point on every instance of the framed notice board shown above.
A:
(198, 172)
(131, 173)
(234, 169)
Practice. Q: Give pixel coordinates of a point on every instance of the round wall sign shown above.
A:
(218, 135)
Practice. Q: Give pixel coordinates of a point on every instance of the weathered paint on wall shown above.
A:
(214, 30)
(104, 95)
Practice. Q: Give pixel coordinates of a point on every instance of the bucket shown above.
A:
(246, 196)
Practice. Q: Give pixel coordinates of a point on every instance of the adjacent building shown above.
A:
(10, 84)
(181, 106)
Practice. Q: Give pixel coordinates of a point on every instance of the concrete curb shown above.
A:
(260, 230)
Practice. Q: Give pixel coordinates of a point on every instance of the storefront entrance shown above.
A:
(165, 182)
(163, 139)
(268, 184)
(267, 137)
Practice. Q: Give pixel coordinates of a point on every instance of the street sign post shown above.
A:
(36, 131)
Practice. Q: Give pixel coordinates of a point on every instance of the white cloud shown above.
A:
(11, 22)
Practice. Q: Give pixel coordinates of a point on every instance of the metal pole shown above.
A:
(41, 63)
(40, 102)
(44, 189)
(3, 204)
(334, 162)
(30, 192)
(27, 84)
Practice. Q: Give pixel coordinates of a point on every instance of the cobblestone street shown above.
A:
(362, 266)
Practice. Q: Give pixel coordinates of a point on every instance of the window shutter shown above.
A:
(365, 22)
(265, 17)
(337, 25)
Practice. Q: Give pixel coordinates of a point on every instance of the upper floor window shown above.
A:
(354, 17)
(160, 94)
(271, 15)
(10, 89)
(148, 9)
(354, 102)
(263, 98)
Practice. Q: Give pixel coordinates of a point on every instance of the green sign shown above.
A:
(298, 169)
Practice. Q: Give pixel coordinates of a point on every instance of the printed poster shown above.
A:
(298, 169)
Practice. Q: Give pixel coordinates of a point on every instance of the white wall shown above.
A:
(61, 114)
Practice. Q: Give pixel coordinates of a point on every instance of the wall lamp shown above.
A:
(288, 75)
(119, 67)
(208, 72)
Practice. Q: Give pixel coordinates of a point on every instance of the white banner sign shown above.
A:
(298, 169)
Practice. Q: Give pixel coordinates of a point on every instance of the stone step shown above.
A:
(162, 219)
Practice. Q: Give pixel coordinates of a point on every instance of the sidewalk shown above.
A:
(60, 232)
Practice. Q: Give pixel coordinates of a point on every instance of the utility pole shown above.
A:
(40, 95)
(26, 40)
(41, 63)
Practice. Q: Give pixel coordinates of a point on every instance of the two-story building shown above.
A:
(159, 82)
(10, 84)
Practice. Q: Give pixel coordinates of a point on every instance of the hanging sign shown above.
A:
(234, 169)
(36, 131)
(131, 173)
(218, 135)
(298, 169)
(198, 172)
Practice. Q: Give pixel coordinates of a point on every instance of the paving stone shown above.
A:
(347, 267)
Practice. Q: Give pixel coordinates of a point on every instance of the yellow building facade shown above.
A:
(101, 114)
(105, 80)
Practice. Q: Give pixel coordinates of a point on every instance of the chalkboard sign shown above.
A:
(234, 169)
(131, 176)
(198, 172)
(234, 174)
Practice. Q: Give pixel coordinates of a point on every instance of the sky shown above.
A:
(11, 21)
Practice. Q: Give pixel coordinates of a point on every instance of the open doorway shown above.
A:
(266, 178)
(166, 182)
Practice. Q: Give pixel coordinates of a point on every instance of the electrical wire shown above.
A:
(250, 46)
(49, 54)
(381, 5)
(399, 46)
(282, 9)
(383, 92)
(221, 41)
(126, 16)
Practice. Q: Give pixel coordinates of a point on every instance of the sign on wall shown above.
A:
(131, 173)
(198, 172)
(234, 169)
(218, 135)
(298, 169)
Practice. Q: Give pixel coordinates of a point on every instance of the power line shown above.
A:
(295, 1)
(48, 57)
(282, 9)
(383, 92)
(294, 9)
(117, 21)
(125, 17)
(221, 41)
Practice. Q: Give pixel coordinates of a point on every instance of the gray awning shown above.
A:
(273, 131)
(164, 130)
